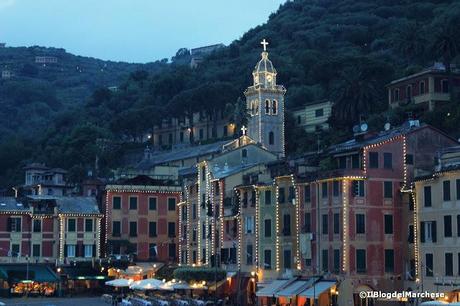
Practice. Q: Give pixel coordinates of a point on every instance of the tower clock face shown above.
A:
(269, 78)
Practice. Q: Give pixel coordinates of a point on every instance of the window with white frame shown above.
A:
(249, 225)
(88, 250)
(71, 248)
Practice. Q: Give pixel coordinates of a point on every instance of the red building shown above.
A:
(357, 218)
(142, 219)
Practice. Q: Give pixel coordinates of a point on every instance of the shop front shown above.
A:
(28, 280)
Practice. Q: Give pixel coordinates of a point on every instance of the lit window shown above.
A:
(71, 250)
(88, 250)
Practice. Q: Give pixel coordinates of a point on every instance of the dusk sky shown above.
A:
(129, 30)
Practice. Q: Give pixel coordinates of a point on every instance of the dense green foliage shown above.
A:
(346, 51)
(199, 274)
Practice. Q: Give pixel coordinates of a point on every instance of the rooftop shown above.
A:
(436, 68)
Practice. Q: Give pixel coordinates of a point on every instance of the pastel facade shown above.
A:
(313, 116)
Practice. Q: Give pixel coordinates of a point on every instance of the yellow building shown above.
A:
(437, 233)
(313, 116)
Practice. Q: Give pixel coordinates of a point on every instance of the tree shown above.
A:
(238, 113)
(409, 40)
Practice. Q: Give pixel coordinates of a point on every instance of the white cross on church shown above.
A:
(264, 43)
(244, 130)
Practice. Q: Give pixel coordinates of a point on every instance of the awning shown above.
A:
(82, 273)
(295, 288)
(23, 272)
(273, 287)
(316, 290)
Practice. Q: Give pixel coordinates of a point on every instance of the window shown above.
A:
(194, 211)
(152, 229)
(152, 203)
(116, 228)
(388, 190)
(325, 260)
(171, 229)
(324, 225)
(275, 107)
(116, 202)
(409, 92)
(336, 223)
(388, 160)
(324, 190)
(268, 197)
(133, 228)
(307, 193)
(249, 224)
(172, 204)
(355, 161)
(336, 261)
(447, 226)
(37, 226)
(457, 183)
(225, 131)
(373, 160)
(388, 224)
(267, 107)
(409, 159)
(268, 259)
(71, 225)
(342, 162)
(287, 259)
(429, 264)
(458, 228)
(15, 249)
(287, 225)
(36, 250)
(319, 112)
(449, 264)
(152, 250)
(428, 231)
(427, 196)
(201, 133)
(133, 203)
(360, 224)
(244, 153)
(88, 225)
(358, 188)
(360, 261)
(422, 87)
(170, 138)
(281, 195)
(446, 190)
(291, 194)
(172, 250)
(335, 188)
(410, 236)
(445, 86)
(307, 225)
(268, 228)
(271, 138)
(389, 261)
(396, 95)
(71, 248)
(181, 136)
(88, 250)
(299, 119)
(249, 254)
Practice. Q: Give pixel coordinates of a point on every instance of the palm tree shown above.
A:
(446, 45)
(410, 40)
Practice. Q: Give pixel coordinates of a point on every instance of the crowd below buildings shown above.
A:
(377, 212)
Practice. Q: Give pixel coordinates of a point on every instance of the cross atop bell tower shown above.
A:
(264, 43)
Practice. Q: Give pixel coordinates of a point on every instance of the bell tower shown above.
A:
(265, 104)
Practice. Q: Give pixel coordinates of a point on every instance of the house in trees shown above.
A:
(424, 89)
(313, 116)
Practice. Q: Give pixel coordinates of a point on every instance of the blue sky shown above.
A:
(129, 30)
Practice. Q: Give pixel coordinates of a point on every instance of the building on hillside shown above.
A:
(198, 54)
(265, 104)
(46, 60)
(313, 116)
(142, 219)
(356, 218)
(42, 180)
(437, 236)
(7, 74)
(425, 88)
(180, 132)
(49, 229)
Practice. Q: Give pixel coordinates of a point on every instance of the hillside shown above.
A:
(344, 50)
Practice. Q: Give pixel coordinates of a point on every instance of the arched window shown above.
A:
(256, 106)
(271, 138)
(267, 106)
(274, 107)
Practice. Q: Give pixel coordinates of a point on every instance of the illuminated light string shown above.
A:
(257, 225)
(345, 225)
(297, 221)
(240, 227)
(199, 215)
(277, 216)
(207, 198)
(189, 229)
(61, 239)
(106, 221)
(416, 245)
(221, 189)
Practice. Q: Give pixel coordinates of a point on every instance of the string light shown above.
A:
(221, 215)
(345, 224)
(256, 193)
(199, 198)
(240, 228)
(277, 216)
(404, 163)
(297, 221)
(416, 245)
(61, 238)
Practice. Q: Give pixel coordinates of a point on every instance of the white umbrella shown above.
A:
(149, 284)
(121, 282)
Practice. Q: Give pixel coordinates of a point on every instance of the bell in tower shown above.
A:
(265, 104)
